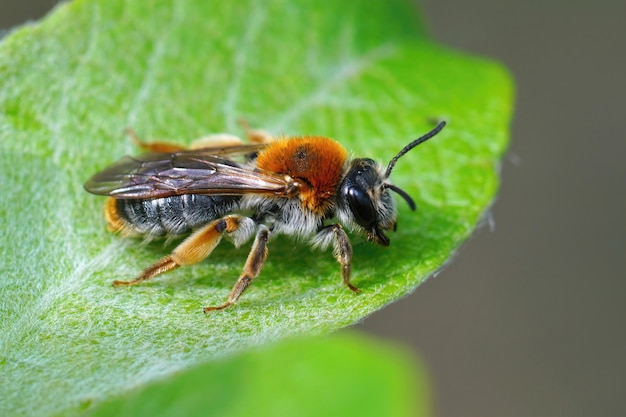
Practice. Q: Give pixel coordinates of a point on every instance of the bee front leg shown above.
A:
(342, 250)
(192, 250)
(252, 268)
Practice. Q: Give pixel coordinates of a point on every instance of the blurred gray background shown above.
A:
(530, 318)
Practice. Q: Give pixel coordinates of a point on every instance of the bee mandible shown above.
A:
(305, 187)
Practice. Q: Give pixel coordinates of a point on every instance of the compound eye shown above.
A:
(362, 207)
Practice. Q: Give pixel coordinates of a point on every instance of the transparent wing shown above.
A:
(156, 175)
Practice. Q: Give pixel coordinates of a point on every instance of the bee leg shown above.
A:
(259, 136)
(252, 268)
(342, 249)
(153, 146)
(192, 250)
(216, 140)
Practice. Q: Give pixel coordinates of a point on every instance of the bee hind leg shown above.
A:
(252, 268)
(157, 146)
(215, 140)
(192, 250)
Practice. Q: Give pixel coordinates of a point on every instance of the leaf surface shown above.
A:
(361, 72)
(343, 375)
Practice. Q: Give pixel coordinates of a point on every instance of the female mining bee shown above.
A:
(305, 186)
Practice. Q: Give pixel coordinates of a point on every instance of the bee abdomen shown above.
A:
(174, 215)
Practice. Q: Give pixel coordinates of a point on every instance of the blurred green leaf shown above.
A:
(361, 71)
(344, 375)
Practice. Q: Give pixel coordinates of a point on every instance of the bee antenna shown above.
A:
(403, 194)
(412, 145)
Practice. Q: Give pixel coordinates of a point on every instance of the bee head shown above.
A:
(364, 196)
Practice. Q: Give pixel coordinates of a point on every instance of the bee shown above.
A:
(305, 187)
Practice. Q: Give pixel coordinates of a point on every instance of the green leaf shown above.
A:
(347, 375)
(361, 71)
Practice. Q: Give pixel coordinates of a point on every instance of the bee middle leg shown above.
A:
(259, 136)
(252, 268)
(192, 250)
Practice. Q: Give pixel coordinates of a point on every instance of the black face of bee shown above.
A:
(356, 188)
(363, 195)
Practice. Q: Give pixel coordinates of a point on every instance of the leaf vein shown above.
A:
(323, 92)
(240, 63)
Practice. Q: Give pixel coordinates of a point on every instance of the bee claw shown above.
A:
(216, 308)
(354, 289)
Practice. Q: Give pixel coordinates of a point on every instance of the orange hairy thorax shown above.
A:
(314, 160)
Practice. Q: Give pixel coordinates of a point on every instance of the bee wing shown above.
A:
(157, 175)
